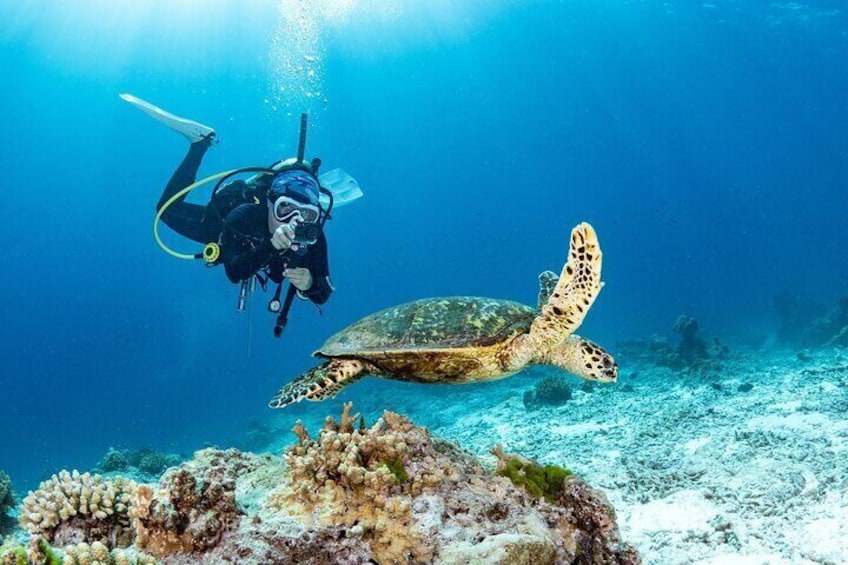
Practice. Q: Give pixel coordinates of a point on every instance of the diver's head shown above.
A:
(293, 194)
(263, 180)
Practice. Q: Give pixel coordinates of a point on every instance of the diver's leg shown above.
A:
(188, 220)
(186, 173)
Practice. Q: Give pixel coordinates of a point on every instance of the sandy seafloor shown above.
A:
(696, 474)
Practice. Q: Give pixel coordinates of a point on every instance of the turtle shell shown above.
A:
(432, 323)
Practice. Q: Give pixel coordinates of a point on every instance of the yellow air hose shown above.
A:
(170, 201)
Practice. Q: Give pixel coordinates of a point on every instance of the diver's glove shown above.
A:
(300, 277)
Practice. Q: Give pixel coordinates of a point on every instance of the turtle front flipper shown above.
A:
(566, 307)
(320, 383)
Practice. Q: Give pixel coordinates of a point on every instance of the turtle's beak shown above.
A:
(609, 373)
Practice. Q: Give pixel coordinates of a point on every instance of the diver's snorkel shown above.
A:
(305, 233)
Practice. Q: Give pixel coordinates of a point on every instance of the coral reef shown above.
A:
(6, 499)
(7, 502)
(448, 509)
(71, 507)
(803, 323)
(346, 477)
(654, 351)
(795, 314)
(589, 512)
(193, 505)
(98, 554)
(692, 353)
(40, 552)
(259, 435)
(114, 461)
(355, 494)
(692, 347)
(553, 390)
(147, 462)
(832, 328)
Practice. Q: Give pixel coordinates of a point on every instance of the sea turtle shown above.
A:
(469, 339)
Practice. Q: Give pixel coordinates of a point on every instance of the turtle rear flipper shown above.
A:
(547, 284)
(568, 304)
(320, 383)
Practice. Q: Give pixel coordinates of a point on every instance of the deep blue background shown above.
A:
(705, 142)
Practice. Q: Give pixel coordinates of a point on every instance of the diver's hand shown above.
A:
(283, 237)
(300, 277)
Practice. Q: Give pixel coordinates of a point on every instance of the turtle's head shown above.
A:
(598, 364)
(585, 359)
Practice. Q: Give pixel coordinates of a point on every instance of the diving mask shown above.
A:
(286, 209)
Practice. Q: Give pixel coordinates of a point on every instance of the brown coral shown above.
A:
(364, 479)
(193, 505)
(71, 507)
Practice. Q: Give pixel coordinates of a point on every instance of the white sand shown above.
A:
(698, 476)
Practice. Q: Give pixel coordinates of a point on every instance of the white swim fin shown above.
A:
(344, 187)
(191, 130)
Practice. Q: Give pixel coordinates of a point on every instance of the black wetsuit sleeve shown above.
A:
(243, 253)
(318, 264)
(189, 220)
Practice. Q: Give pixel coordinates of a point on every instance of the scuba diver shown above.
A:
(268, 227)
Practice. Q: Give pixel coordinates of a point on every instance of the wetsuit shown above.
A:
(246, 248)
(245, 241)
(189, 220)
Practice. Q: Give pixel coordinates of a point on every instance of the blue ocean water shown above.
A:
(706, 142)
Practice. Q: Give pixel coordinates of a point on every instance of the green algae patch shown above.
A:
(540, 481)
(397, 469)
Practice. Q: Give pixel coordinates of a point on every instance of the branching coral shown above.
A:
(364, 479)
(40, 552)
(72, 507)
(98, 554)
